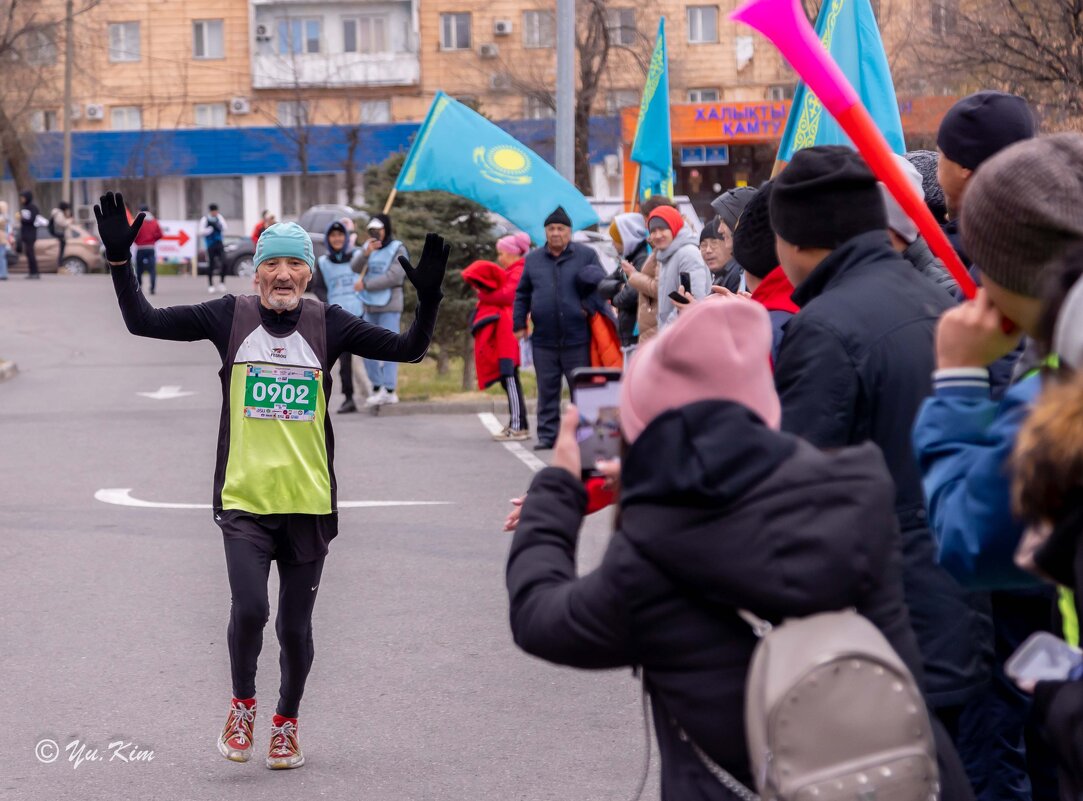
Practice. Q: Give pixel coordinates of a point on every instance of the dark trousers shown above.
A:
(551, 365)
(248, 565)
(216, 256)
(345, 374)
(513, 388)
(31, 256)
(146, 261)
(61, 244)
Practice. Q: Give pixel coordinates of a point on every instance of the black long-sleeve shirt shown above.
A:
(214, 319)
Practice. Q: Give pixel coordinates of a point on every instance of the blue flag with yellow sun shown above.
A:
(848, 31)
(459, 151)
(652, 148)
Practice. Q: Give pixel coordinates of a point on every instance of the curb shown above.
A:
(407, 408)
(7, 370)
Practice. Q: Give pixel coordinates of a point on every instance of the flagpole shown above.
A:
(390, 200)
(635, 196)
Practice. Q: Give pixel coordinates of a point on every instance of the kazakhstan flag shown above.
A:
(848, 31)
(459, 151)
(652, 148)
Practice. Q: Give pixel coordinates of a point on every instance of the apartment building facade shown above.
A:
(189, 101)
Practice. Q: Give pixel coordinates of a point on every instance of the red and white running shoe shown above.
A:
(284, 753)
(235, 743)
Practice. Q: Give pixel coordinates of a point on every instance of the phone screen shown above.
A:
(596, 395)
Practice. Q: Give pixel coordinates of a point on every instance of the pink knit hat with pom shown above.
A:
(720, 349)
(517, 244)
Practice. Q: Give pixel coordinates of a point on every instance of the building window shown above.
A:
(210, 115)
(702, 24)
(621, 23)
(621, 98)
(454, 31)
(366, 35)
(40, 47)
(296, 36)
(779, 93)
(944, 17)
(124, 41)
(703, 96)
(226, 192)
(41, 121)
(375, 112)
(292, 113)
(538, 29)
(208, 40)
(538, 108)
(125, 118)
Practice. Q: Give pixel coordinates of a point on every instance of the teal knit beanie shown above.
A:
(285, 240)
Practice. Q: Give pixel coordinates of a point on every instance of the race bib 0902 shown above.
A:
(281, 393)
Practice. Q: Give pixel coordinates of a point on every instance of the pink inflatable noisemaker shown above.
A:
(785, 24)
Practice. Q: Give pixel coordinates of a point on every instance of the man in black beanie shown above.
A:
(855, 365)
(558, 286)
(976, 128)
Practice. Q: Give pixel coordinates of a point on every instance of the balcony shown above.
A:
(334, 70)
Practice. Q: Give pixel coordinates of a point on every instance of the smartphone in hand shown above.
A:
(596, 394)
(1042, 657)
(677, 297)
(686, 282)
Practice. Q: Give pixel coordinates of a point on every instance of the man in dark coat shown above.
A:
(556, 291)
(719, 512)
(28, 231)
(854, 366)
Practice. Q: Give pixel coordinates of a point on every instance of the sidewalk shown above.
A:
(497, 406)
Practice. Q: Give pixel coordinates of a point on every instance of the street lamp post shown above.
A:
(565, 133)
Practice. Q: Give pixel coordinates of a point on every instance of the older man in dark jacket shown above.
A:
(557, 289)
(854, 366)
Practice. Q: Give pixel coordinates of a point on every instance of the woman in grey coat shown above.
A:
(380, 285)
(677, 249)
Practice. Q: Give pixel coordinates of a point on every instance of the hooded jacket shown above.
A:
(393, 279)
(342, 256)
(616, 288)
(921, 256)
(682, 256)
(855, 365)
(718, 513)
(496, 350)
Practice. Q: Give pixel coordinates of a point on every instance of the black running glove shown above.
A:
(113, 228)
(428, 276)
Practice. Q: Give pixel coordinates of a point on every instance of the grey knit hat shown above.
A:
(1023, 208)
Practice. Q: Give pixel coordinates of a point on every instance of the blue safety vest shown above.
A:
(339, 279)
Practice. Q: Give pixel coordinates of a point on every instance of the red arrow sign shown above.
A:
(181, 239)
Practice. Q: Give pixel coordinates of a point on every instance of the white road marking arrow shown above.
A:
(122, 497)
(165, 393)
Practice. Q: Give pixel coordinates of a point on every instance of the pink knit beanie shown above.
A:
(720, 349)
(517, 244)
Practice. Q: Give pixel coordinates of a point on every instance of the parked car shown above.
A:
(602, 245)
(82, 252)
(239, 256)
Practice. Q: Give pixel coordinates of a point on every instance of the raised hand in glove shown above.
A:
(428, 276)
(113, 228)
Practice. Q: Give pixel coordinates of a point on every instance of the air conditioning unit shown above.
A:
(489, 51)
(502, 27)
(239, 105)
(612, 165)
(263, 33)
(501, 82)
(95, 111)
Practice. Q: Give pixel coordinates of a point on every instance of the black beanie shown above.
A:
(730, 205)
(981, 125)
(559, 217)
(754, 238)
(710, 231)
(827, 195)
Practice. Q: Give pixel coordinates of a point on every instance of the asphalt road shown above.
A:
(113, 618)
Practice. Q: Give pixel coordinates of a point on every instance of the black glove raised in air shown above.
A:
(428, 276)
(113, 228)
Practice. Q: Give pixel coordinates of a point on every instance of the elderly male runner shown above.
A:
(274, 481)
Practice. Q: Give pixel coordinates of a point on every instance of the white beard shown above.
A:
(283, 305)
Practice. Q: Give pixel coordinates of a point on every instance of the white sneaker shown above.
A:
(211, 290)
(390, 397)
(222, 288)
(376, 398)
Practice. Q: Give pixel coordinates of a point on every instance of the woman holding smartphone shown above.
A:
(380, 286)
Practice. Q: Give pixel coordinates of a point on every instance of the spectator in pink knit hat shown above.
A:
(719, 511)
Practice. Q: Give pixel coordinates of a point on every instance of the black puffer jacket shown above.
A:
(931, 267)
(855, 365)
(616, 289)
(718, 512)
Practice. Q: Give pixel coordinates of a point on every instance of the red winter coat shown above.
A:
(496, 350)
(149, 233)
